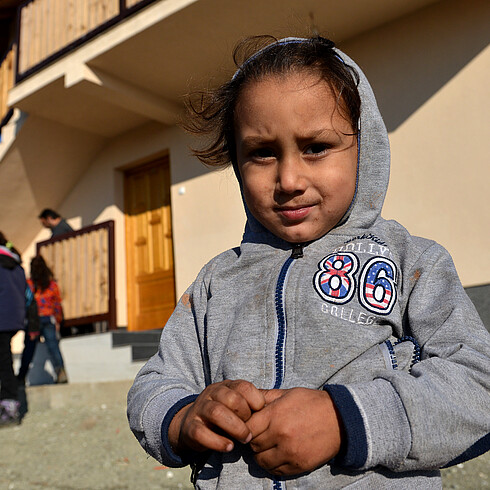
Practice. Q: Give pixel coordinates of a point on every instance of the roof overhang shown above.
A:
(137, 72)
(140, 69)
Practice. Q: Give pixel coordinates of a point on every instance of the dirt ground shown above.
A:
(77, 437)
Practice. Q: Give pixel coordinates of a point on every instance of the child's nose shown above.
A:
(291, 176)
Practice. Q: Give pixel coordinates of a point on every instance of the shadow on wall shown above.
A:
(480, 295)
(412, 59)
(103, 179)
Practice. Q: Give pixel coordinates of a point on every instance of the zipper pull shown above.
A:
(297, 251)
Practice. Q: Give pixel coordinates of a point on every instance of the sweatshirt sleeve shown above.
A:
(436, 415)
(56, 299)
(172, 378)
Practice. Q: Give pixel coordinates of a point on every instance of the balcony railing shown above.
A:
(6, 81)
(47, 29)
(83, 265)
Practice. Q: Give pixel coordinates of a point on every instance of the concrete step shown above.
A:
(88, 359)
(123, 337)
(143, 343)
(142, 352)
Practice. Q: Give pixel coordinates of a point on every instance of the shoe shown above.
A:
(9, 413)
(61, 376)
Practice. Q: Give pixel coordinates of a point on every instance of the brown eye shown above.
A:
(316, 149)
(262, 153)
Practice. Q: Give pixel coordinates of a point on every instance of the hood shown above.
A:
(8, 259)
(373, 159)
(373, 169)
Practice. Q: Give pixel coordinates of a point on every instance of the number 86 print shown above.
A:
(335, 282)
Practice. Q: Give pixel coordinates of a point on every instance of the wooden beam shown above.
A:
(122, 93)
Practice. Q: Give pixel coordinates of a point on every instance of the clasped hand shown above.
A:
(290, 431)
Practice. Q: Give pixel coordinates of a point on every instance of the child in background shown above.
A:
(50, 313)
(331, 349)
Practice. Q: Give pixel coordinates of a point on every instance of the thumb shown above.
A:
(271, 395)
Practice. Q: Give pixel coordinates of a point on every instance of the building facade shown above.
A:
(97, 96)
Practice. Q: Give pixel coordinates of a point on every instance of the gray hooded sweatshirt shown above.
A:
(371, 314)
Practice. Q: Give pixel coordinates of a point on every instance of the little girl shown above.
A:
(50, 312)
(331, 349)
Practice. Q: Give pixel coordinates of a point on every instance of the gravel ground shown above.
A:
(77, 437)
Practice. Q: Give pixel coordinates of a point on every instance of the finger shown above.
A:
(218, 415)
(252, 395)
(271, 395)
(258, 423)
(232, 399)
(199, 438)
(271, 459)
(262, 443)
(274, 461)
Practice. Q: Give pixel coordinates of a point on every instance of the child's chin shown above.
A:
(302, 237)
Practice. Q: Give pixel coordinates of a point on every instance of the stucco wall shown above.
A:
(429, 73)
(207, 215)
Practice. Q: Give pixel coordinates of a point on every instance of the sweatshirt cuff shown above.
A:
(376, 427)
(353, 453)
(175, 458)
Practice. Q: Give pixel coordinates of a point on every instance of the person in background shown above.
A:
(15, 296)
(52, 220)
(50, 311)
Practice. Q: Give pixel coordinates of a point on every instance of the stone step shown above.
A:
(88, 359)
(142, 352)
(123, 337)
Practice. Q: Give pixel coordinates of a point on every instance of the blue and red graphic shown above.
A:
(378, 279)
(335, 281)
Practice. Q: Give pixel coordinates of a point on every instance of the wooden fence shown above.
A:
(6, 80)
(83, 265)
(49, 28)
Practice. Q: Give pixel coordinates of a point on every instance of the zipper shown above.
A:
(296, 253)
(281, 323)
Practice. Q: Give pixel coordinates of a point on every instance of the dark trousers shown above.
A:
(27, 355)
(8, 381)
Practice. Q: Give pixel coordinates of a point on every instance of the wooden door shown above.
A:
(149, 252)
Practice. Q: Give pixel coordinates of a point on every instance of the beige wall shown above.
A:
(206, 208)
(429, 72)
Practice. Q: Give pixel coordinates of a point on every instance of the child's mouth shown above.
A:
(295, 214)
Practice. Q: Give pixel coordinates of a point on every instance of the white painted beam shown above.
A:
(122, 93)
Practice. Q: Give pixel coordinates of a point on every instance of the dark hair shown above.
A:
(41, 274)
(212, 112)
(6, 243)
(48, 213)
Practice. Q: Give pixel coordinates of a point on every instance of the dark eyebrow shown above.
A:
(320, 133)
(256, 140)
(333, 137)
(314, 134)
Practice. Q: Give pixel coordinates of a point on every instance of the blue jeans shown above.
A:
(48, 331)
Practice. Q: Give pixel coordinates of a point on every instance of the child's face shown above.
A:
(296, 155)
